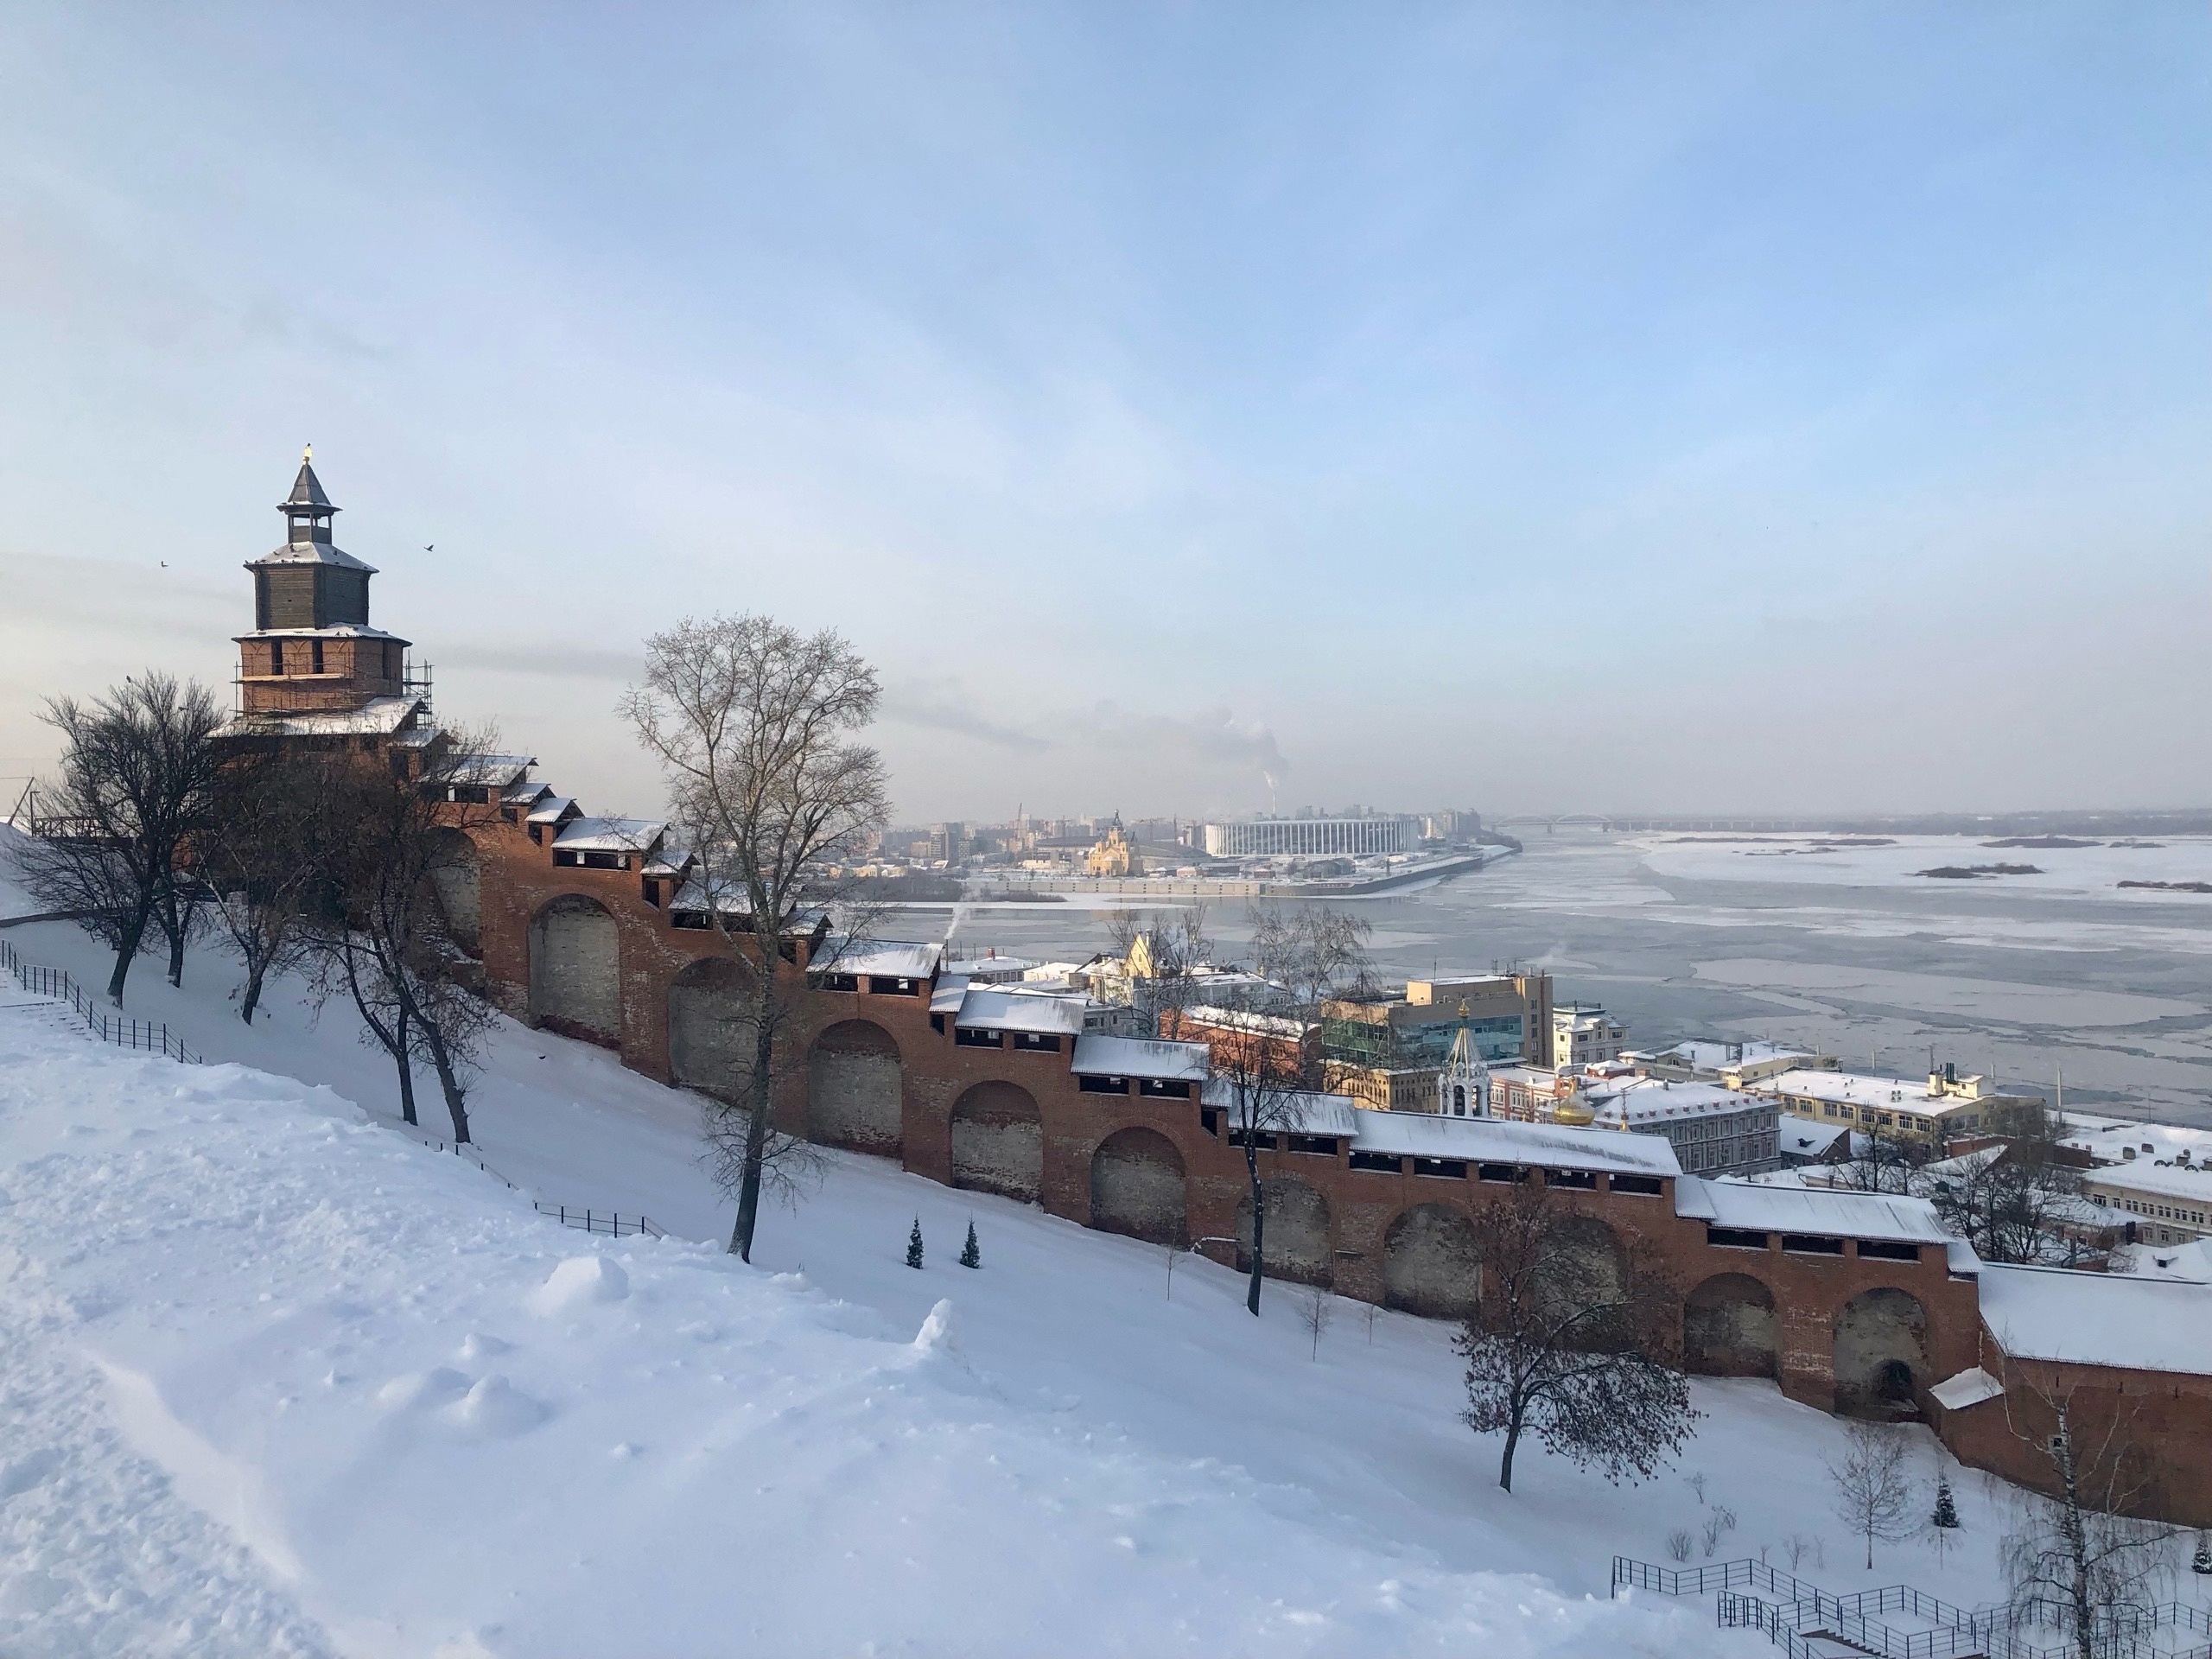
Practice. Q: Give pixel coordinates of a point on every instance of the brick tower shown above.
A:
(311, 650)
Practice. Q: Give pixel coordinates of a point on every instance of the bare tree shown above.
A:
(135, 769)
(2022, 1202)
(754, 727)
(1880, 1163)
(1873, 1484)
(1256, 1079)
(2083, 1558)
(390, 943)
(260, 852)
(1572, 1342)
(1315, 1313)
(1315, 954)
(1161, 952)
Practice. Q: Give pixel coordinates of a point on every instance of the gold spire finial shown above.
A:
(307, 453)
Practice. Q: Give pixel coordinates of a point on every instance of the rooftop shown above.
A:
(1631, 1102)
(1490, 1140)
(1138, 1057)
(609, 835)
(377, 717)
(991, 1008)
(2100, 1319)
(880, 958)
(1890, 1094)
(1769, 1208)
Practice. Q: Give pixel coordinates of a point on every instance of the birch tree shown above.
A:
(756, 729)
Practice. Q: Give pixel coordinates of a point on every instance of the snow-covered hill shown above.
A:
(284, 1376)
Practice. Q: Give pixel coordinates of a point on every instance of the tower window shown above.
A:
(275, 656)
(315, 656)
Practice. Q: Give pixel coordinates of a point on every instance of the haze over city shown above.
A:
(1667, 409)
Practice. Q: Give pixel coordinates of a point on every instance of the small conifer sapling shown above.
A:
(2202, 1562)
(1945, 1521)
(971, 1254)
(914, 1244)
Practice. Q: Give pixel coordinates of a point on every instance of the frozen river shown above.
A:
(1802, 939)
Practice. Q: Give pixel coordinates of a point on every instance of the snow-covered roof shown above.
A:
(989, 1008)
(1969, 1388)
(377, 717)
(880, 958)
(335, 631)
(2099, 1319)
(950, 991)
(551, 808)
(1269, 1025)
(991, 969)
(2191, 1183)
(524, 794)
(609, 835)
(1805, 1137)
(1098, 1056)
(505, 770)
(669, 863)
(1716, 1056)
(314, 553)
(1633, 1102)
(1307, 1111)
(1861, 1089)
(1501, 1141)
(1761, 1208)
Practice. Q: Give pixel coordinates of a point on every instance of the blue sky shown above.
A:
(1616, 407)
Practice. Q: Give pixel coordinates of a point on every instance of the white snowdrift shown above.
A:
(281, 1381)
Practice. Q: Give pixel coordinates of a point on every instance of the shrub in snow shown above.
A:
(2202, 1562)
(578, 1282)
(914, 1244)
(1680, 1543)
(971, 1254)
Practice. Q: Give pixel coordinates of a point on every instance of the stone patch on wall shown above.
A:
(1295, 1241)
(1881, 1354)
(458, 881)
(1728, 1328)
(711, 1029)
(854, 1089)
(998, 1141)
(1137, 1186)
(1432, 1264)
(575, 982)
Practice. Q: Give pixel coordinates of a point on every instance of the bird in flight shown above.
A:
(431, 547)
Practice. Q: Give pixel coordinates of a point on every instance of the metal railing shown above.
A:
(115, 1027)
(1794, 1614)
(602, 1221)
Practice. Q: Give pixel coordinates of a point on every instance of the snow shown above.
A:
(2071, 873)
(1969, 1388)
(988, 1009)
(1501, 1141)
(1138, 1057)
(2098, 1319)
(1765, 1208)
(332, 1418)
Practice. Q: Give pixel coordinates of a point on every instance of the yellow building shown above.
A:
(1112, 856)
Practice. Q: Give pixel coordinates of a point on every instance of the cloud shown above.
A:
(1213, 736)
(561, 659)
(943, 707)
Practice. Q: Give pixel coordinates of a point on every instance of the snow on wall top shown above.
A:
(882, 958)
(1764, 1209)
(1490, 1140)
(1138, 1057)
(2099, 1319)
(986, 1009)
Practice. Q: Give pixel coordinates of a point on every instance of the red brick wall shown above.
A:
(1809, 1292)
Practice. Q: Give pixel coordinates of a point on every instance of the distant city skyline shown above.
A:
(1714, 409)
